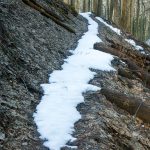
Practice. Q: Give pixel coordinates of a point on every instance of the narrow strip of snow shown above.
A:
(56, 114)
(132, 42)
(148, 42)
(111, 27)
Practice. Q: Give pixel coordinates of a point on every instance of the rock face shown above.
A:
(31, 46)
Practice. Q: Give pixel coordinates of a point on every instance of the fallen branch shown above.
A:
(131, 104)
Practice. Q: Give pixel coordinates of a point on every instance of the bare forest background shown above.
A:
(133, 16)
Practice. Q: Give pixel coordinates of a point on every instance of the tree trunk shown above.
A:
(99, 8)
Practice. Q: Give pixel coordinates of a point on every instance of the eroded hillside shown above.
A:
(35, 38)
(33, 43)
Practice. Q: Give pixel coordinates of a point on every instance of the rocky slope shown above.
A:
(31, 46)
(109, 119)
(34, 39)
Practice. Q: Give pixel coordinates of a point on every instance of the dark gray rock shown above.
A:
(31, 47)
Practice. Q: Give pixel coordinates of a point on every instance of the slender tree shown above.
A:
(99, 8)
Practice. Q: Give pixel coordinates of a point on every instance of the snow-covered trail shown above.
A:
(56, 113)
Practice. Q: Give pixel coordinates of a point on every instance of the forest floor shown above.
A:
(114, 110)
(106, 124)
(103, 124)
(31, 46)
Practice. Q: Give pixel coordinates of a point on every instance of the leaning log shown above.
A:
(139, 72)
(125, 73)
(101, 47)
(120, 51)
(48, 14)
(136, 63)
(129, 51)
(131, 104)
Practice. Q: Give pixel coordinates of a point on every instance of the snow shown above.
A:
(148, 42)
(132, 42)
(56, 113)
(111, 27)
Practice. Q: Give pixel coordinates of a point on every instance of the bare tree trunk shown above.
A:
(124, 14)
(99, 8)
(137, 17)
(129, 15)
(95, 4)
(115, 17)
(84, 5)
(111, 9)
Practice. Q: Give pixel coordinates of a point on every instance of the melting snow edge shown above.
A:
(56, 113)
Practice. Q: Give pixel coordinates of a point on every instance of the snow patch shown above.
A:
(137, 47)
(148, 42)
(56, 113)
(111, 27)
